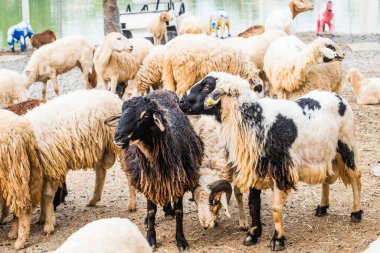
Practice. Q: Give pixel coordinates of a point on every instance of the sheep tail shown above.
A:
(92, 76)
(346, 161)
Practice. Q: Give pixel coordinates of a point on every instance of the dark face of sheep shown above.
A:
(140, 120)
(331, 52)
(192, 103)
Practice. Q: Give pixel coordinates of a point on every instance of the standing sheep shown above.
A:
(71, 135)
(194, 25)
(118, 58)
(157, 27)
(163, 154)
(40, 39)
(110, 235)
(367, 91)
(276, 143)
(283, 19)
(20, 174)
(12, 88)
(60, 57)
(149, 75)
(191, 57)
(288, 64)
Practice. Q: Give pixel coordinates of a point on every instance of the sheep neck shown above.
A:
(105, 53)
(306, 59)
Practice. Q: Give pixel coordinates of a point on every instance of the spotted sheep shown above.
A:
(276, 143)
(162, 154)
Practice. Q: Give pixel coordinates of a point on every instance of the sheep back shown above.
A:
(20, 170)
(71, 132)
(173, 168)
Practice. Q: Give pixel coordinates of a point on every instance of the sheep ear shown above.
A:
(113, 121)
(212, 99)
(158, 121)
(224, 202)
(328, 53)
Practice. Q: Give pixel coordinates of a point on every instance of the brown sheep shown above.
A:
(40, 39)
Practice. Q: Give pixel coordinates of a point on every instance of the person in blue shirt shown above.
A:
(18, 33)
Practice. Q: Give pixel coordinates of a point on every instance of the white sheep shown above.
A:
(194, 25)
(149, 75)
(276, 143)
(374, 247)
(117, 59)
(71, 134)
(20, 174)
(288, 65)
(283, 19)
(157, 27)
(12, 89)
(214, 190)
(59, 57)
(106, 236)
(366, 90)
(190, 57)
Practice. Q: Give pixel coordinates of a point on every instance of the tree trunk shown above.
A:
(111, 17)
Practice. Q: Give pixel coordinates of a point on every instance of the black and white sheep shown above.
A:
(276, 143)
(163, 154)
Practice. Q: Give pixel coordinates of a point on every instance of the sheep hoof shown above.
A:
(277, 244)
(48, 229)
(132, 210)
(152, 240)
(19, 244)
(243, 228)
(92, 203)
(182, 244)
(252, 236)
(356, 216)
(321, 211)
(12, 235)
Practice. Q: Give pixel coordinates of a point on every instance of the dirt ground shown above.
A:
(304, 231)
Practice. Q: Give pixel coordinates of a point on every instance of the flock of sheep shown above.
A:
(263, 112)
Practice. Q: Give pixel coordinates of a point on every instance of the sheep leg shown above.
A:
(132, 191)
(254, 207)
(14, 228)
(278, 239)
(23, 230)
(166, 37)
(4, 210)
(44, 84)
(356, 185)
(99, 185)
(114, 84)
(321, 209)
(49, 193)
(55, 85)
(151, 232)
(243, 224)
(86, 74)
(42, 218)
(179, 236)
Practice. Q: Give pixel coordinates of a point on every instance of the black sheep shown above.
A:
(163, 154)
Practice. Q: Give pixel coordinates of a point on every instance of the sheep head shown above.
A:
(119, 42)
(140, 120)
(328, 51)
(166, 16)
(210, 200)
(302, 5)
(204, 97)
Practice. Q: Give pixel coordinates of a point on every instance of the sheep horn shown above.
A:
(220, 186)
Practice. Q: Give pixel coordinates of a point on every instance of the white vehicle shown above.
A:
(134, 24)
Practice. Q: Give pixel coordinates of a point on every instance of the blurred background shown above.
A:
(85, 16)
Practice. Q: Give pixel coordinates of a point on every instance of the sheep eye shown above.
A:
(216, 202)
(119, 38)
(331, 47)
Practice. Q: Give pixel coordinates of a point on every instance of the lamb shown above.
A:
(190, 57)
(71, 134)
(252, 31)
(60, 57)
(283, 19)
(12, 89)
(276, 143)
(194, 25)
(288, 66)
(119, 58)
(367, 91)
(214, 189)
(162, 154)
(20, 174)
(107, 236)
(40, 39)
(149, 75)
(157, 27)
